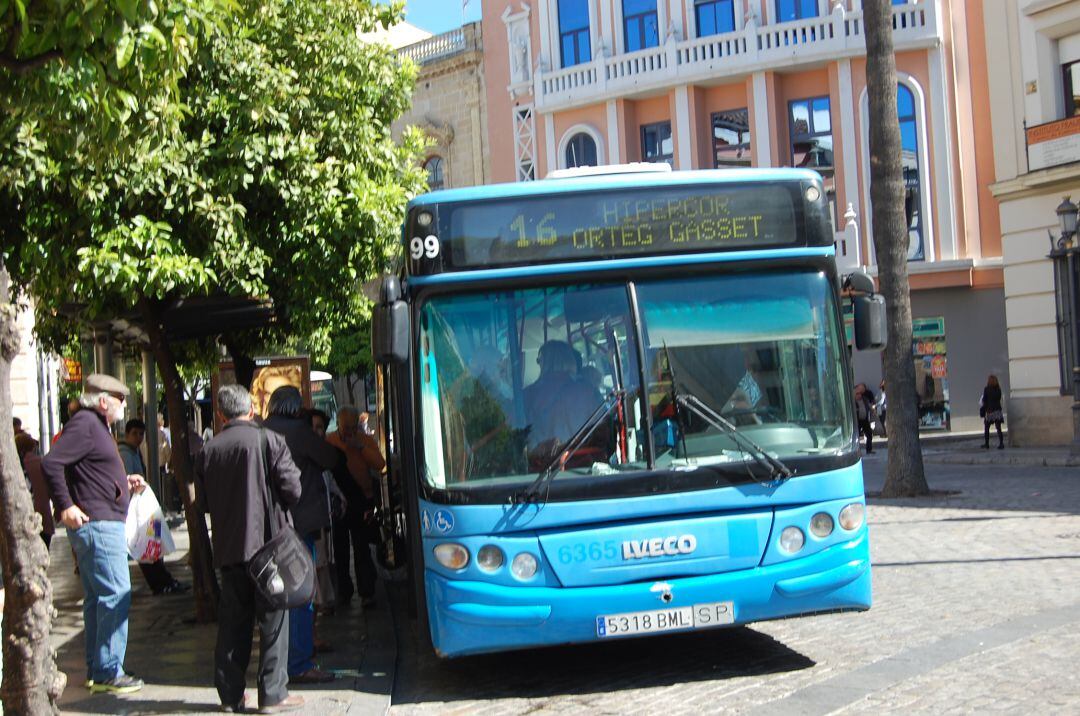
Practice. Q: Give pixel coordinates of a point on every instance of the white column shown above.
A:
(847, 139)
(682, 128)
(762, 138)
(944, 188)
(549, 143)
(675, 16)
(614, 155)
(545, 38)
(599, 21)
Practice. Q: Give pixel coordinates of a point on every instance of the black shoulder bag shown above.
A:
(282, 569)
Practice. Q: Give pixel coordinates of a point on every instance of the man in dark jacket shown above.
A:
(229, 478)
(90, 492)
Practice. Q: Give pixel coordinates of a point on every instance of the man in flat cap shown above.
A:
(90, 490)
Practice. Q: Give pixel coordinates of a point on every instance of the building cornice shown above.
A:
(1037, 182)
(1037, 6)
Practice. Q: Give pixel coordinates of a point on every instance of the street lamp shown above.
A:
(1063, 252)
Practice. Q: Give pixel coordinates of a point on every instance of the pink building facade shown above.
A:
(772, 83)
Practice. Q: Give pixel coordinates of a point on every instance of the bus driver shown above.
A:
(558, 403)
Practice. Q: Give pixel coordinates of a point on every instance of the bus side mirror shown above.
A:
(390, 325)
(870, 327)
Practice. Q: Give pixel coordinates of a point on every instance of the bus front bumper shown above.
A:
(470, 617)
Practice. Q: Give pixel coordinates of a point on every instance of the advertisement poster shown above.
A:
(270, 374)
(931, 372)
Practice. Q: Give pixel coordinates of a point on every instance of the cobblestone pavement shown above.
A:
(976, 608)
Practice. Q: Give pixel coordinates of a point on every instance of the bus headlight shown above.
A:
(524, 566)
(489, 558)
(821, 524)
(452, 555)
(792, 540)
(852, 516)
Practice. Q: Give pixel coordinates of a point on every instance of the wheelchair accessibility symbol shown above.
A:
(444, 521)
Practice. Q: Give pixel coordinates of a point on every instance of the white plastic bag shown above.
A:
(148, 535)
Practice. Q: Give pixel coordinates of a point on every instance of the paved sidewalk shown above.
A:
(971, 452)
(966, 449)
(174, 656)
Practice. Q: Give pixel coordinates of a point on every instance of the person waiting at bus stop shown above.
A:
(312, 455)
(230, 474)
(90, 492)
(362, 458)
(156, 574)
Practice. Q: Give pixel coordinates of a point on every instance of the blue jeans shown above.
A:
(102, 554)
(302, 631)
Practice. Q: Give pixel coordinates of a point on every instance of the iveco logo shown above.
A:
(659, 547)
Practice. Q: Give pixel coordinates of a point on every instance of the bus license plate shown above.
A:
(699, 616)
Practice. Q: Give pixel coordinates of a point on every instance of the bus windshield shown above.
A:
(507, 378)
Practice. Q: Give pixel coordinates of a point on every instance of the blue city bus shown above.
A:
(617, 403)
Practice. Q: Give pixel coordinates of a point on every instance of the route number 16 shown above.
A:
(419, 248)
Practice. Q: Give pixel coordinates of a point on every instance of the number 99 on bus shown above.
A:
(427, 247)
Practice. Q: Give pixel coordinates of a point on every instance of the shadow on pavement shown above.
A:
(106, 704)
(591, 668)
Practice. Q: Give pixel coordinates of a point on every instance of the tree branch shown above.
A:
(25, 66)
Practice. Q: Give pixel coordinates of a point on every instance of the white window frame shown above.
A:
(553, 40)
(570, 133)
(927, 179)
(823, 9)
(691, 18)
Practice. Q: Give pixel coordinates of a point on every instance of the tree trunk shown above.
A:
(350, 382)
(32, 684)
(205, 583)
(243, 364)
(905, 475)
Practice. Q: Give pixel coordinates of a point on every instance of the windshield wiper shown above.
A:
(583, 433)
(777, 469)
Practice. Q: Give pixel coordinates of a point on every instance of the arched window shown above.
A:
(434, 168)
(909, 158)
(581, 151)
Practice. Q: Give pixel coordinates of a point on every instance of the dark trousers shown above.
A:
(864, 428)
(156, 575)
(986, 433)
(238, 610)
(352, 533)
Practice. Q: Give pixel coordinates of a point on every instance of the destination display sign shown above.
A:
(598, 225)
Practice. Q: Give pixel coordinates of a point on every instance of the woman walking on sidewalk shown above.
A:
(990, 409)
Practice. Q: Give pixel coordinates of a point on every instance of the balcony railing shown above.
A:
(434, 48)
(754, 48)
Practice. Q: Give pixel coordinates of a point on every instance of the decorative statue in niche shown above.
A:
(520, 52)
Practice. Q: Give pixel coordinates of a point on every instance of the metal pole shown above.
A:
(1074, 330)
(153, 462)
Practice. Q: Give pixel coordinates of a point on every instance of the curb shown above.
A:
(379, 663)
(1021, 460)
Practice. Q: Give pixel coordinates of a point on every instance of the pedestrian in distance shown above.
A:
(312, 455)
(39, 489)
(362, 460)
(881, 407)
(229, 476)
(864, 413)
(90, 491)
(156, 574)
(991, 411)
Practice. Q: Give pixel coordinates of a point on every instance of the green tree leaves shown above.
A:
(264, 168)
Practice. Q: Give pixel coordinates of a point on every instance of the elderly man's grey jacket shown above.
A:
(229, 487)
